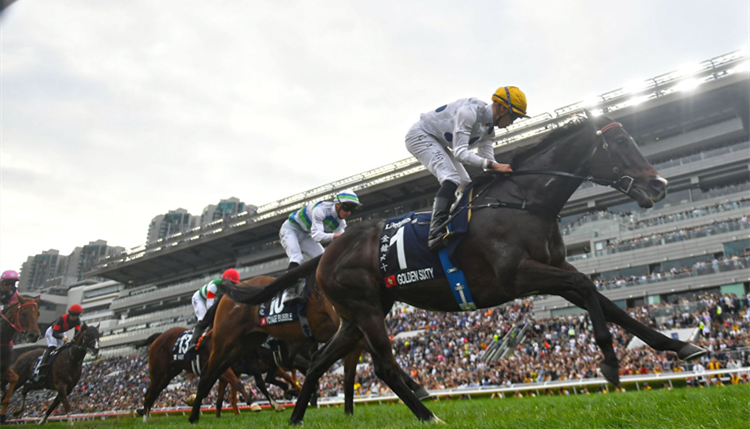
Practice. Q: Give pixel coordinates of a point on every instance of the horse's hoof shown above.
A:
(422, 393)
(436, 420)
(139, 411)
(610, 373)
(690, 351)
(255, 407)
(279, 408)
(294, 422)
(193, 420)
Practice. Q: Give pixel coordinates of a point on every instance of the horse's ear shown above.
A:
(37, 298)
(96, 326)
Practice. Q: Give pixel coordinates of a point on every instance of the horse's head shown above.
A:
(616, 158)
(88, 338)
(24, 316)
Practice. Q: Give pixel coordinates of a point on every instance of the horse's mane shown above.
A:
(519, 156)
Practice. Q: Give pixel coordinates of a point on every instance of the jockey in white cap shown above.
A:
(306, 229)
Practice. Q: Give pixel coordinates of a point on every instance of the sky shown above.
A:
(115, 112)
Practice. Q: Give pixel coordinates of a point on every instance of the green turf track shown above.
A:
(715, 407)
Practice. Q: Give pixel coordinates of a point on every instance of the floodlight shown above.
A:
(687, 85)
(637, 100)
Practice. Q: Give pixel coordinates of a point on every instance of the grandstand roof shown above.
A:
(719, 84)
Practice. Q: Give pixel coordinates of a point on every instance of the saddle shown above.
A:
(181, 350)
(274, 312)
(38, 373)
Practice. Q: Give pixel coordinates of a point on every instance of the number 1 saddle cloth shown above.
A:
(404, 256)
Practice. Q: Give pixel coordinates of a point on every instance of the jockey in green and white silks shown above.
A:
(206, 297)
(306, 229)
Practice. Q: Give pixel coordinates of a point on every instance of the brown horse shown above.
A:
(238, 331)
(513, 248)
(163, 368)
(21, 318)
(64, 372)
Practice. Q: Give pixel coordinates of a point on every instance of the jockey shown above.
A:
(309, 227)
(8, 289)
(460, 125)
(204, 298)
(56, 332)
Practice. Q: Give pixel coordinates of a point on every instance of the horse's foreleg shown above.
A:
(12, 378)
(542, 279)
(50, 409)
(233, 399)
(62, 393)
(345, 339)
(252, 369)
(386, 367)
(654, 339)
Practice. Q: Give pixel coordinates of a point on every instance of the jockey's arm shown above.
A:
(211, 295)
(465, 118)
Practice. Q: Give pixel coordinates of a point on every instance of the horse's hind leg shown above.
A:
(543, 279)
(654, 339)
(345, 339)
(350, 374)
(252, 369)
(387, 368)
(63, 391)
(159, 382)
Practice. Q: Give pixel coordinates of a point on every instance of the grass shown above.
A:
(715, 407)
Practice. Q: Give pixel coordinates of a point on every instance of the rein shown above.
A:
(18, 328)
(542, 210)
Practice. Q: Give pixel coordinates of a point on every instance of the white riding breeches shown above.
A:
(199, 305)
(297, 242)
(52, 341)
(435, 157)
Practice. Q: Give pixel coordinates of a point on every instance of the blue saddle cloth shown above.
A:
(404, 256)
(181, 346)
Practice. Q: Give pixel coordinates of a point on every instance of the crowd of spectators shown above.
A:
(632, 221)
(698, 268)
(446, 350)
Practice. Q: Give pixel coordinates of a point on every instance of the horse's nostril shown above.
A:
(659, 185)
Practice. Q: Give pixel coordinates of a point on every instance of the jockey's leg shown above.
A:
(440, 213)
(45, 359)
(290, 237)
(296, 294)
(199, 305)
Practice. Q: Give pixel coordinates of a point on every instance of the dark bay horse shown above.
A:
(18, 318)
(64, 372)
(163, 368)
(513, 249)
(291, 356)
(238, 331)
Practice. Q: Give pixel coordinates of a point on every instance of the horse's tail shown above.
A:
(147, 342)
(259, 295)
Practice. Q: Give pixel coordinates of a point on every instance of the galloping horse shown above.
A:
(64, 372)
(238, 331)
(19, 317)
(163, 368)
(513, 248)
(292, 356)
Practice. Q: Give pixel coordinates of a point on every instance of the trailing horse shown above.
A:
(63, 373)
(17, 318)
(239, 329)
(513, 248)
(162, 368)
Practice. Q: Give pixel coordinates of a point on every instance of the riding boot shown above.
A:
(197, 333)
(45, 359)
(440, 214)
(294, 294)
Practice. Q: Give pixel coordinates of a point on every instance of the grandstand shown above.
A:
(693, 125)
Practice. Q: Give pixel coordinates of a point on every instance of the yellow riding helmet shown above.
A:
(517, 99)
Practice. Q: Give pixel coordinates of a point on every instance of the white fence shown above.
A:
(496, 391)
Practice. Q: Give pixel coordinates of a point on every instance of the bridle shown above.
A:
(623, 183)
(16, 326)
(618, 184)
